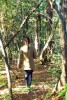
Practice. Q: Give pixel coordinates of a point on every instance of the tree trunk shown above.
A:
(45, 46)
(45, 53)
(4, 54)
(37, 34)
(49, 13)
(63, 16)
(64, 48)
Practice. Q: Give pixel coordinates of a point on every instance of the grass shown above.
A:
(54, 71)
(35, 80)
(2, 77)
(63, 92)
(1, 65)
(2, 81)
(48, 94)
(6, 97)
(18, 90)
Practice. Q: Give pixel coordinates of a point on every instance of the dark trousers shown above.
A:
(28, 77)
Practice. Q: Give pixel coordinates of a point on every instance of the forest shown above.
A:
(45, 22)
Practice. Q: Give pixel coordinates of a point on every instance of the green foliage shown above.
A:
(36, 80)
(42, 6)
(47, 95)
(63, 92)
(55, 71)
(2, 81)
(1, 64)
(13, 13)
(6, 97)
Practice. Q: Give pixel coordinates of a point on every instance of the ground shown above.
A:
(41, 85)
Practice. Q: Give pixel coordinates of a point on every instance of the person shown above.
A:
(27, 54)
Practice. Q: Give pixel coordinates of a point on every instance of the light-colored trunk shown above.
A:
(45, 46)
(63, 77)
(37, 33)
(2, 50)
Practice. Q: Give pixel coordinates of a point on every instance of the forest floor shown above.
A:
(41, 85)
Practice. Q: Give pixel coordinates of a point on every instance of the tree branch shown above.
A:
(22, 24)
(61, 17)
(46, 45)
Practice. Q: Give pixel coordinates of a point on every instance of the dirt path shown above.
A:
(39, 88)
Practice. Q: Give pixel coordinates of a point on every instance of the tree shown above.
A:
(4, 54)
(63, 16)
(3, 47)
(44, 56)
(22, 24)
(37, 33)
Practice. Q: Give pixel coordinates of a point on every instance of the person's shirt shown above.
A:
(26, 57)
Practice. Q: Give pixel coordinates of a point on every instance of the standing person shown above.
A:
(27, 55)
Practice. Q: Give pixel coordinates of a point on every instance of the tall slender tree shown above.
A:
(37, 33)
(4, 54)
(63, 16)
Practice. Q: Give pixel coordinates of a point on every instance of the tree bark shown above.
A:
(4, 54)
(37, 34)
(63, 16)
(46, 50)
(49, 13)
(45, 46)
